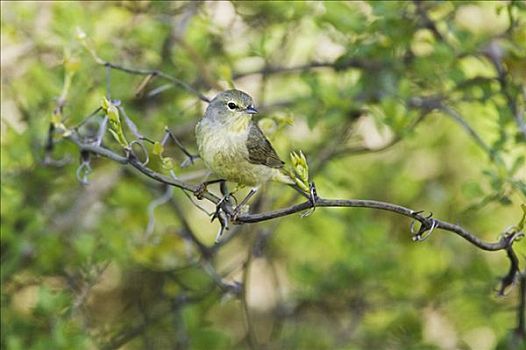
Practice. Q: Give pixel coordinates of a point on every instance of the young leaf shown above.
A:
(114, 121)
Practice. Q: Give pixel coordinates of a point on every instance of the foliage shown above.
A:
(415, 103)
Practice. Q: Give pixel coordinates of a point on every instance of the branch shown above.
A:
(133, 161)
(337, 65)
(462, 122)
(154, 73)
(427, 222)
(503, 243)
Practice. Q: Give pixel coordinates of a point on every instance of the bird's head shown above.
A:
(230, 105)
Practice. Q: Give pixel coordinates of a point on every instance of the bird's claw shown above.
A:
(226, 199)
(220, 214)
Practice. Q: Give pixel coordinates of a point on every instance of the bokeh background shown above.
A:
(403, 102)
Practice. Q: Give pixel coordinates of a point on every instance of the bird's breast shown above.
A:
(221, 145)
(224, 151)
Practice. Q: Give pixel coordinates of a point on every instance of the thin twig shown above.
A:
(154, 72)
(349, 63)
(503, 243)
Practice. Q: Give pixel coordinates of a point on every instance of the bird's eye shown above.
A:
(232, 105)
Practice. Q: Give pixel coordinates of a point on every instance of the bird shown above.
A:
(233, 147)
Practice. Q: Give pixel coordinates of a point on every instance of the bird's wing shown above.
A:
(260, 151)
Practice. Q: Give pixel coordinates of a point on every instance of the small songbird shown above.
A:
(232, 145)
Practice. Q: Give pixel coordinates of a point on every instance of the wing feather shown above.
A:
(260, 150)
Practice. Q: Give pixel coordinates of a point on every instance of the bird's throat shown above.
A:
(240, 124)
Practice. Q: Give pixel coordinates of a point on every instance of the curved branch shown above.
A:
(133, 161)
(503, 243)
(95, 149)
(155, 72)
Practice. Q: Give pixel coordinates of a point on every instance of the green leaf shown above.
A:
(167, 163)
(114, 121)
(158, 149)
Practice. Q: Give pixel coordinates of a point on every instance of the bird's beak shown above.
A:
(251, 110)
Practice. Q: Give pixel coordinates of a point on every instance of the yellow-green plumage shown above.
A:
(232, 146)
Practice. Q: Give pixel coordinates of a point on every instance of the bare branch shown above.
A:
(503, 243)
(153, 73)
(343, 64)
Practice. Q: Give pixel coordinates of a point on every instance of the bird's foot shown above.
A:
(227, 199)
(220, 214)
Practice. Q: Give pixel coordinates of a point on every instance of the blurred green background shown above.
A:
(356, 86)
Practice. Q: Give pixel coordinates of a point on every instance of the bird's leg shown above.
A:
(224, 191)
(201, 188)
(225, 199)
